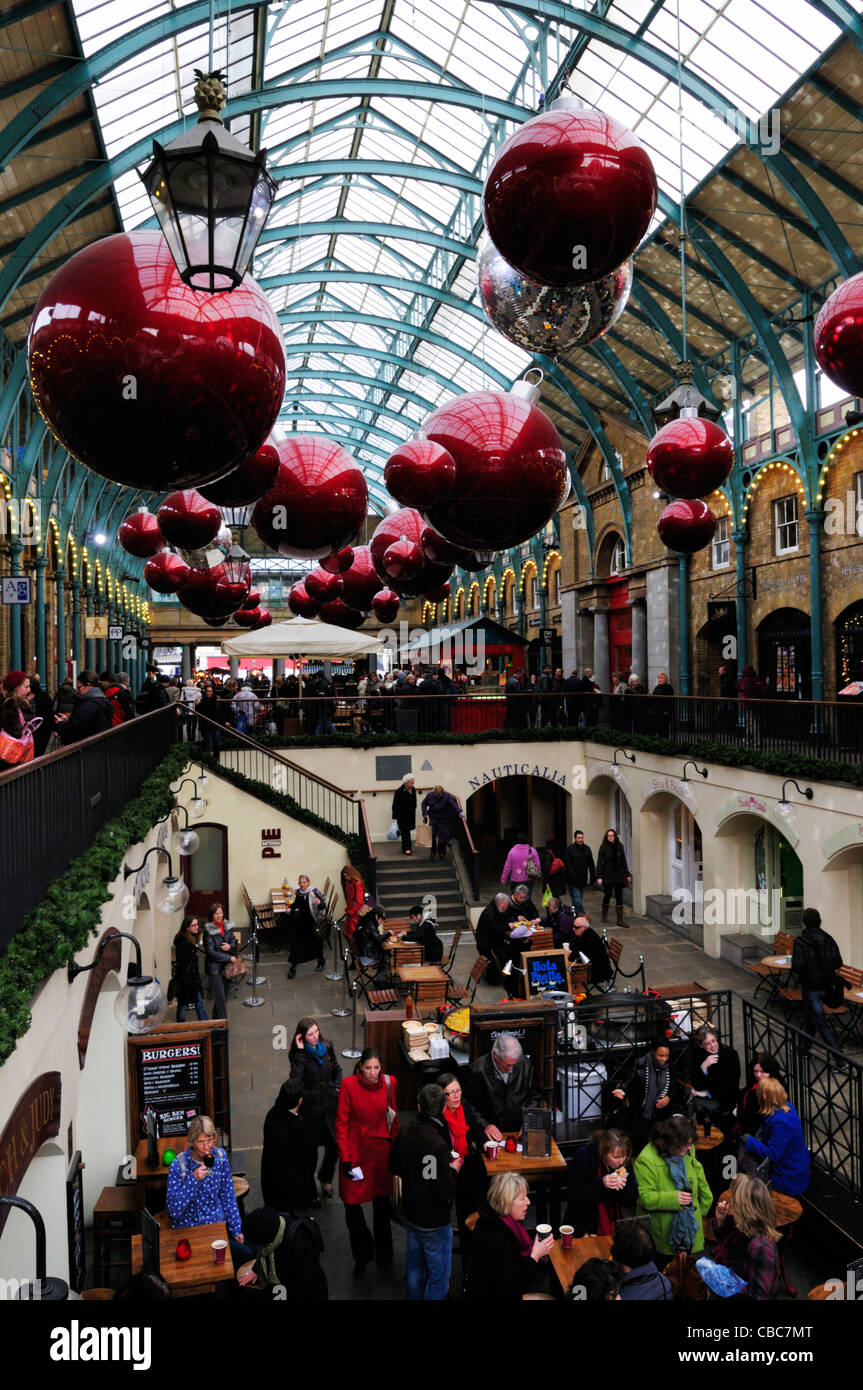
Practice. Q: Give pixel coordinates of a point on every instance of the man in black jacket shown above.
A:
(422, 1156)
(91, 715)
(492, 932)
(815, 961)
(287, 1165)
(500, 1085)
(580, 870)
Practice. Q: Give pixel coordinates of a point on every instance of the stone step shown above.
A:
(740, 947)
(412, 868)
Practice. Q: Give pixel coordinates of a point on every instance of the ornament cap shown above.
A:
(526, 390)
(689, 412)
(210, 95)
(566, 103)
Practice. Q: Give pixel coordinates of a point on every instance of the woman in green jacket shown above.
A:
(672, 1188)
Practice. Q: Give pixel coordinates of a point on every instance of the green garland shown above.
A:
(355, 845)
(70, 912)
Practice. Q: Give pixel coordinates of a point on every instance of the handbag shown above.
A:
(19, 750)
(392, 1115)
(531, 868)
(424, 836)
(236, 969)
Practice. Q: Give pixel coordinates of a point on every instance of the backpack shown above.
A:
(299, 1228)
(118, 714)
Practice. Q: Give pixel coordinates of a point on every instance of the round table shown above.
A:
(705, 1142)
(787, 1211)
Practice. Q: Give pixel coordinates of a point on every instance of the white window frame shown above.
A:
(555, 587)
(784, 523)
(617, 563)
(533, 592)
(721, 545)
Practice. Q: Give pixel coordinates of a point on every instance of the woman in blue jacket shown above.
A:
(780, 1139)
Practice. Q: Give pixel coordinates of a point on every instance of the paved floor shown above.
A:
(260, 1038)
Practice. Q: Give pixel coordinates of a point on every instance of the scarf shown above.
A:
(657, 1084)
(319, 1051)
(524, 1238)
(457, 1125)
(684, 1222)
(608, 1208)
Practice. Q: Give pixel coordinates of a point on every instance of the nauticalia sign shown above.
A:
(551, 774)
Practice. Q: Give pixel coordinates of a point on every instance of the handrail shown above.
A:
(230, 732)
(10, 773)
(372, 875)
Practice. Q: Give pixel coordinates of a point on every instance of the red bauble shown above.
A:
(301, 603)
(166, 572)
(403, 559)
(149, 382)
(839, 336)
(188, 520)
(338, 563)
(511, 473)
(419, 473)
(340, 614)
(139, 535)
(265, 617)
(440, 594)
(217, 622)
(437, 548)
(248, 617)
(690, 457)
(198, 593)
(247, 483)
(405, 522)
(686, 526)
(322, 586)
(385, 605)
(569, 196)
(361, 582)
(232, 593)
(254, 598)
(318, 502)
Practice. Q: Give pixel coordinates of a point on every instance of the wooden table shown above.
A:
(396, 945)
(787, 1211)
(540, 1170)
(421, 974)
(705, 1142)
(567, 1263)
(776, 962)
(196, 1275)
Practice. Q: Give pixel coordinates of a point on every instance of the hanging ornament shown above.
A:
(198, 593)
(419, 472)
(146, 381)
(569, 195)
(547, 318)
(209, 555)
(690, 456)
(166, 572)
(839, 336)
(322, 586)
(338, 563)
(247, 617)
(405, 522)
(440, 594)
(187, 519)
(340, 614)
(318, 502)
(232, 591)
(254, 598)
(511, 472)
(385, 605)
(403, 559)
(249, 482)
(438, 549)
(360, 582)
(217, 622)
(139, 535)
(686, 526)
(265, 617)
(301, 603)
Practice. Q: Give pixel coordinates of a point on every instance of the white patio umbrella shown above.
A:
(302, 637)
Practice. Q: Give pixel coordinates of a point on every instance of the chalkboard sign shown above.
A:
(75, 1223)
(532, 1022)
(171, 1081)
(545, 970)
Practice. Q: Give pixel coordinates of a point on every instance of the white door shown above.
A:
(685, 856)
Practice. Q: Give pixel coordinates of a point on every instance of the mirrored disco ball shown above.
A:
(548, 318)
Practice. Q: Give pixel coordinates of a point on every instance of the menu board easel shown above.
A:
(171, 1071)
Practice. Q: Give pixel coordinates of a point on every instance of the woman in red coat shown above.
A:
(367, 1100)
(354, 891)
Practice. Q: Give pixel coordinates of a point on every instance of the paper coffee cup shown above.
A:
(543, 1231)
(219, 1251)
(566, 1235)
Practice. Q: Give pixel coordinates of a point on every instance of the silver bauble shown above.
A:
(548, 318)
(210, 555)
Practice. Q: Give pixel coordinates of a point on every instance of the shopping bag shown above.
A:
(393, 832)
(424, 836)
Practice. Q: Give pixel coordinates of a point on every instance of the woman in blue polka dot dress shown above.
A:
(201, 1188)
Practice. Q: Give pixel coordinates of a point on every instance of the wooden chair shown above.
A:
(615, 950)
(853, 983)
(115, 1218)
(460, 994)
(768, 975)
(410, 955)
(376, 997)
(447, 964)
(429, 996)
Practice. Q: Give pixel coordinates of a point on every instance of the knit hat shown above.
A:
(14, 679)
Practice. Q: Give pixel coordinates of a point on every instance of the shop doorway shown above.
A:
(849, 646)
(785, 653)
(685, 853)
(778, 879)
(205, 872)
(497, 811)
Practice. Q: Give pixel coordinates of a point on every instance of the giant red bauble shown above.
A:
(405, 522)
(247, 483)
(686, 526)
(216, 622)
(265, 617)
(166, 572)
(839, 336)
(301, 603)
(385, 605)
(253, 599)
(511, 473)
(146, 381)
(403, 559)
(139, 535)
(338, 563)
(419, 473)
(569, 195)
(440, 594)
(360, 582)
(233, 593)
(340, 614)
(247, 617)
(437, 548)
(188, 520)
(318, 502)
(322, 586)
(198, 593)
(690, 457)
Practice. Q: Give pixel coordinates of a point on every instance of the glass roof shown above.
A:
(408, 165)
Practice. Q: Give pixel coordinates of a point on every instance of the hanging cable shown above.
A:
(212, 29)
(683, 326)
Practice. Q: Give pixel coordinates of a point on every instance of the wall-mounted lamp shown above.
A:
(785, 808)
(630, 757)
(172, 893)
(197, 805)
(141, 1005)
(702, 771)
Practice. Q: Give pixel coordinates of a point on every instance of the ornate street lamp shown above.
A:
(140, 1005)
(211, 194)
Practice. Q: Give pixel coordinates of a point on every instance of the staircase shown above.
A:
(661, 907)
(403, 881)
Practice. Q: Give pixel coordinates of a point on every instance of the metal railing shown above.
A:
(468, 852)
(829, 1102)
(51, 808)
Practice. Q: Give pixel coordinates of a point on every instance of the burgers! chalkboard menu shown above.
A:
(171, 1082)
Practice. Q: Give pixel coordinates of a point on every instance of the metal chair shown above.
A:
(615, 950)
(459, 994)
